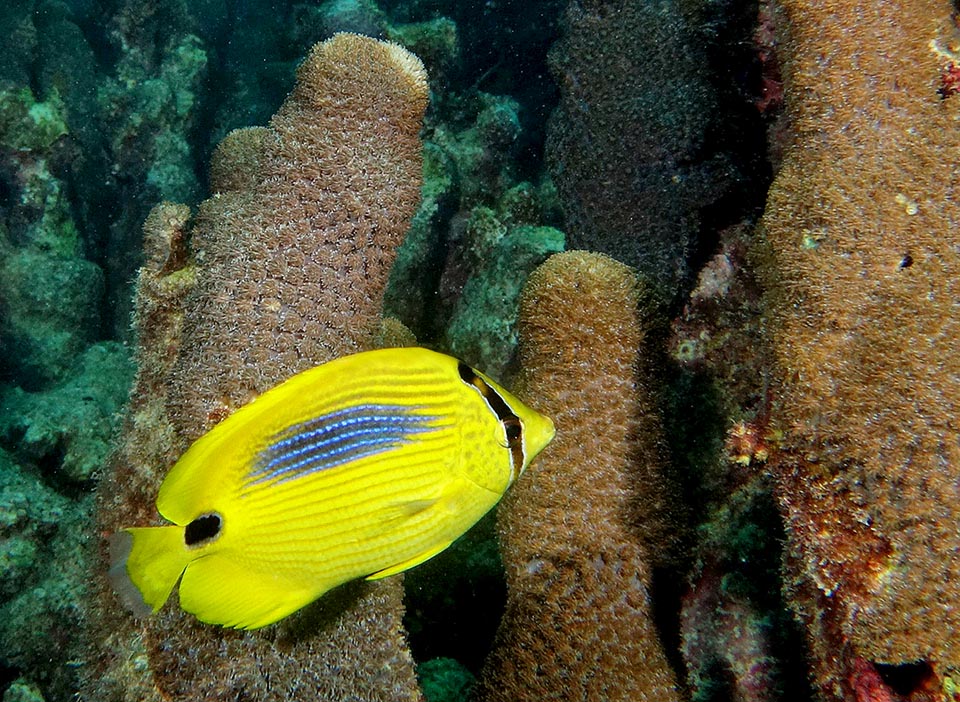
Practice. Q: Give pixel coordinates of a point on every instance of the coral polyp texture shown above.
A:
(861, 260)
(285, 269)
(633, 83)
(281, 257)
(583, 528)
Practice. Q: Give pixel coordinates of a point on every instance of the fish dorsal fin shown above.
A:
(410, 562)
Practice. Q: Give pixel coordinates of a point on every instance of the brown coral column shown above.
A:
(578, 531)
(295, 248)
(862, 263)
(628, 144)
(290, 260)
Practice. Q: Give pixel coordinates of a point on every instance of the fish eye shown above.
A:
(514, 430)
(203, 529)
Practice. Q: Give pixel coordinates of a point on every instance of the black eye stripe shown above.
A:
(511, 422)
(499, 407)
(204, 528)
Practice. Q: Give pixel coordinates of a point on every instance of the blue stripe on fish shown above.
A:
(336, 438)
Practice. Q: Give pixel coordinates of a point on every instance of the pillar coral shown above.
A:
(582, 529)
(861, 260)
(285, 269)
(628, 145)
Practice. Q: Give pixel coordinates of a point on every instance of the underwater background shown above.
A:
(750, 343)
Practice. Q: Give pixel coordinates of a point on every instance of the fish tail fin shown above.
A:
(146, 563)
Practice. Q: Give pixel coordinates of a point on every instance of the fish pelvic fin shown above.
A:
(410, 562)
(146, 563)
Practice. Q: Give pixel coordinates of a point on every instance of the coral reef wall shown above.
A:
(286, 268)
(861, 260)
(61, 386)
(738, 640)
(834, 446)
(43, 255)
(582, 530)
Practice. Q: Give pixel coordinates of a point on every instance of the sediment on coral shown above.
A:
(285, 269)
(582, 530)
(860, 260)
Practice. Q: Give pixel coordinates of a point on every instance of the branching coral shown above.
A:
(289, 263)
(861, 260)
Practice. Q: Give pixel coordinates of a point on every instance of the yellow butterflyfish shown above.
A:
(361, 467)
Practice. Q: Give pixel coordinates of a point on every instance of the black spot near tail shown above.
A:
(203, 529)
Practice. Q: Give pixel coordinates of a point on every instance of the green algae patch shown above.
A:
(27, 124)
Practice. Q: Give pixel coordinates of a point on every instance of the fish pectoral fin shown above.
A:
(398, 513)
(410, 562)
(415, 507)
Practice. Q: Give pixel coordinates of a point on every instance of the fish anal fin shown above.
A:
(218, 590)
(410, 562)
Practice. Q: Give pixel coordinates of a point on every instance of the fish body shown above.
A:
(361, 467)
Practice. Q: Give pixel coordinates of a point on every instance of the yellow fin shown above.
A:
(146, 563)
(410, 563)
(218, 590)
(395, 515)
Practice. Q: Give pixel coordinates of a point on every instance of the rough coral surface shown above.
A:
(582, 529)
(626, 144)
(288, 269)
(291, 266)
(862, 263)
